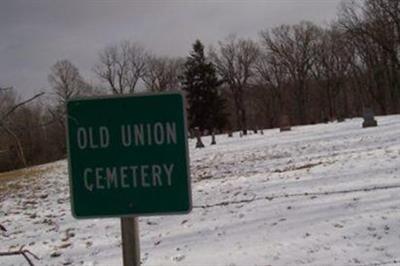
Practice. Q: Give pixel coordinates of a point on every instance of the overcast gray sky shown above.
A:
(34, 34)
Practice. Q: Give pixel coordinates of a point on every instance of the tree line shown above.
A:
(307, 72)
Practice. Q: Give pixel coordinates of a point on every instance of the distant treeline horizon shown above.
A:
(309, 73)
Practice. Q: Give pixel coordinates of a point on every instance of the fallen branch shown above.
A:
(10, 132)
(225, 203)
(294, 195)
(15, 107)
(23, 252)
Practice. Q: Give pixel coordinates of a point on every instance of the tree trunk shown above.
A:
(301, 104)
(21, 154)
(242, 107)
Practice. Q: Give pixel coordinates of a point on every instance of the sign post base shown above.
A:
(130, 241)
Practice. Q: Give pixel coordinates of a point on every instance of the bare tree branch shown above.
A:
(235, 63)
(15, 107)
(121, 66)
(23, 252)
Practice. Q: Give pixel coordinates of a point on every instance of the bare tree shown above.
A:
(375, 29)
(162, 73)
(66, 81)
(272, 77)
(293, 47)
(121, 66)
(235, 62)
(331, 68)
(5, 121)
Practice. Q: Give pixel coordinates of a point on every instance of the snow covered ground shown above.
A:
(318, 195)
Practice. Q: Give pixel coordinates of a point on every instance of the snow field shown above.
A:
(326, 194)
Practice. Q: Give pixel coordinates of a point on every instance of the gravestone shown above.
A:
(284, 123)
(340, 119)
(213, 142)
(369, 120)
(199, 143)
(191, 134)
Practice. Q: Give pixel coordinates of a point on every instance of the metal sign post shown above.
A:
(130, 241)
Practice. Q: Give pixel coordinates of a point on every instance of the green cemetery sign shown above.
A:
(128, 155)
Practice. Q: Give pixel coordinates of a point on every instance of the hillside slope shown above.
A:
(318, 195)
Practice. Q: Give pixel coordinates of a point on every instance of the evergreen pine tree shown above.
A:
(200, 82)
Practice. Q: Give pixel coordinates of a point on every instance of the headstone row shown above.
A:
(284, 125)
(369, 120)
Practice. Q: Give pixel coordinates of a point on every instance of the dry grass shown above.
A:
(9, 180)
(13, 175)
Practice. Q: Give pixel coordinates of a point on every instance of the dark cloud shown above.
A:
(35, 34)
